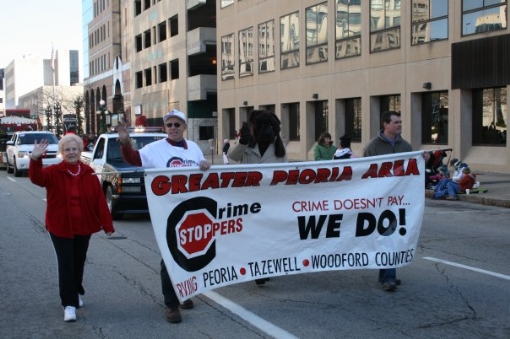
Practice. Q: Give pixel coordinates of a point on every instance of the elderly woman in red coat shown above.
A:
(76, 209)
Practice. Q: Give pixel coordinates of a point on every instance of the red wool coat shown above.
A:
(56, 180)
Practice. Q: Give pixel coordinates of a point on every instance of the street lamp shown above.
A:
(121, 117)
(102, 120)
(58, 118)
(48, 118)
(211, 145)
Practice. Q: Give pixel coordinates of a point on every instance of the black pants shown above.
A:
(71, 256)
(171, 299)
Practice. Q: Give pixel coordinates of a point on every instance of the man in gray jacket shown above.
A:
(389, 141)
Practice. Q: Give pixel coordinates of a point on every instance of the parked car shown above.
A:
(21, 145)
(123, 184)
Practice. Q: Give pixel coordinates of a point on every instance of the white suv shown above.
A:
(20, 147)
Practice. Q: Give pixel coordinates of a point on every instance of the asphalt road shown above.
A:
(457, 287)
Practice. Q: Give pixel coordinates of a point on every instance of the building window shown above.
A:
(246, 52)
(321, 110)
(205, 132)
(147, 38)
(148, 77)
(384, 25)
(348, 28)
(266, 47)
(429, 21)
(162, 31)
(317, 33)
(434, 118)
(490, 111)
(227, 57)
(139, 79)
(174, 26)
(163, 72)
(229, 120)
(174, 69)
(389, 103)
(138, 43)
(353, 116)
(225, 3)
(138, 7)
(479, 16)
(289, 40)
(294, 122)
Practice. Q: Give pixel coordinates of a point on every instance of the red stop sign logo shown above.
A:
(195, 232)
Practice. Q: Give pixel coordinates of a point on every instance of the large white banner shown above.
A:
(235, 223)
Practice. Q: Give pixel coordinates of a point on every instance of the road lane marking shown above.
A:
(253, 319)
(479, 270)
(11, 179)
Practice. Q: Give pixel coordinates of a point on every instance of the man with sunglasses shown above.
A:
(174, 151)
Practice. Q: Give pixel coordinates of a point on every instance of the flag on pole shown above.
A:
(52, 59)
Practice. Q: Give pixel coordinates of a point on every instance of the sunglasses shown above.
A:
(176, 124)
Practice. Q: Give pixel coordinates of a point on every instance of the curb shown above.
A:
(477, 198)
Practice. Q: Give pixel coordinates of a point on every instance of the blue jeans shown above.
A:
(442, 188)
(453, 188)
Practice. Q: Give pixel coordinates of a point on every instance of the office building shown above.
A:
(148, 57)
(24, 75)
(336, 65)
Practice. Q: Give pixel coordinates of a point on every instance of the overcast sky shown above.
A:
(30, 27)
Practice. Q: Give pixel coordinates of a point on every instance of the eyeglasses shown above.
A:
(176, 124)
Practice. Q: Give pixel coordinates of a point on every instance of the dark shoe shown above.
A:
(173, 315)
(398, 282)
(261, 282)
(390, 286)
(452, 197)
(187, 304)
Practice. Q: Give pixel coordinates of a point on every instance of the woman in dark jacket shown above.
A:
(76, 208)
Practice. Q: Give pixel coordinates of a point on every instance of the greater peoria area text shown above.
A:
(184, 183)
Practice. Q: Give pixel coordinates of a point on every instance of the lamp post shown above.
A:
(121, 116)
(102, 120)
(58, 118)
(48, 117)
(211, 145)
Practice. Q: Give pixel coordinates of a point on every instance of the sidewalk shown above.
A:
(497, 186)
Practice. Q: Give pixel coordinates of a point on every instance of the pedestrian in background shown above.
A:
(466, 182)
(388, 141)
(441, 189)
(174, 151)
(324, 150)
(344, 152)
(260, 143)
(226, 146)
(76, 209)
